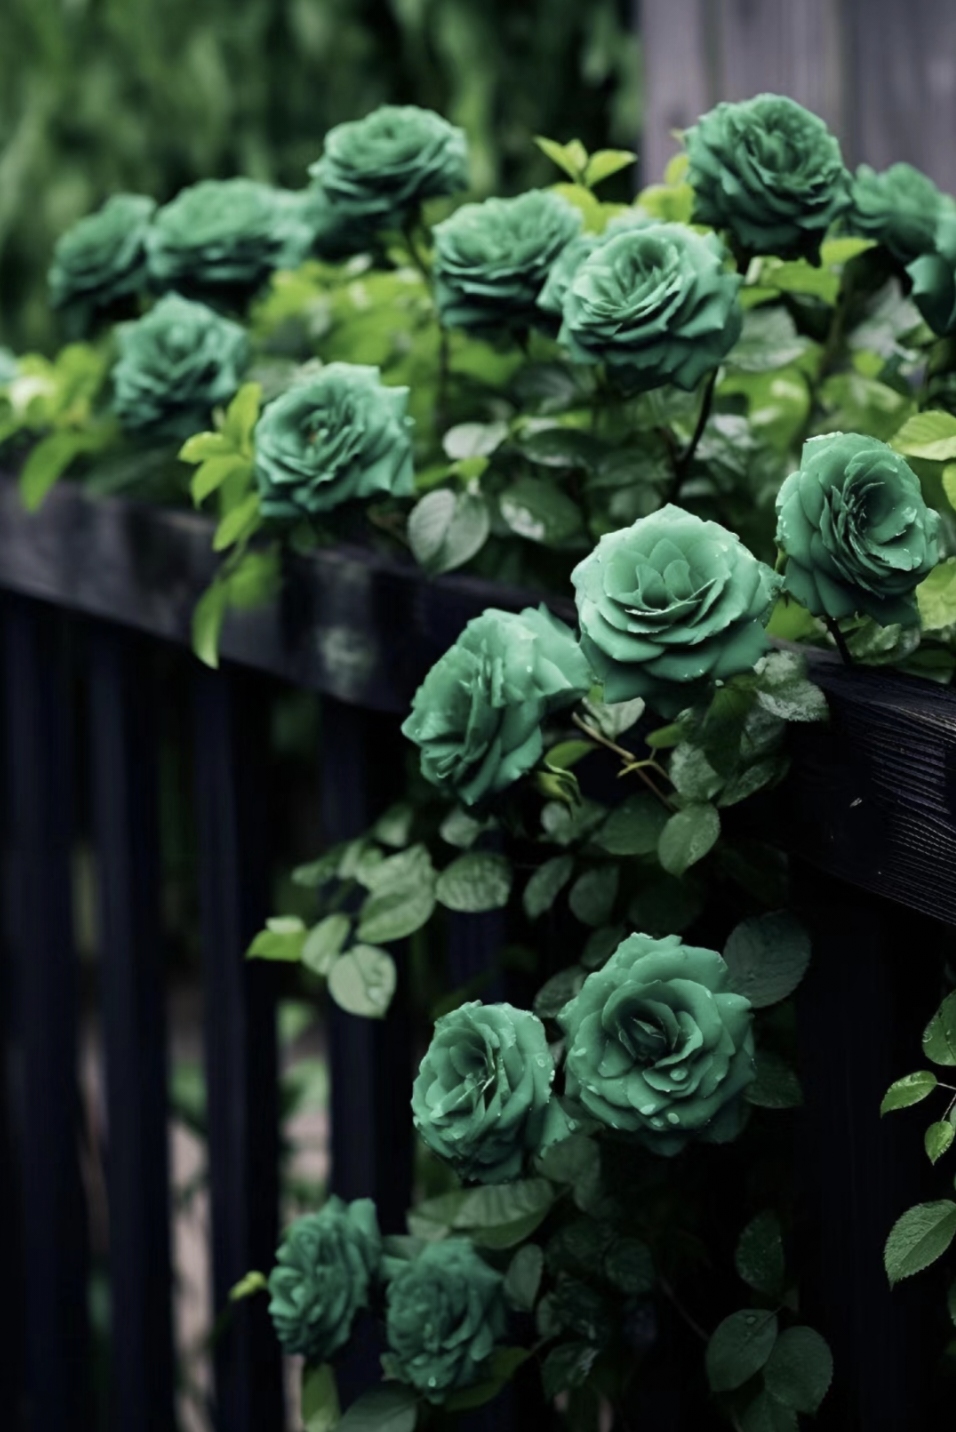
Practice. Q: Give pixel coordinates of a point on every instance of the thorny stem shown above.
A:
(638, 768)
(689, 1319)
(706, 403)
(833, 627)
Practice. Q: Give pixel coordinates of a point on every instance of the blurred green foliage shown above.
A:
(149, 95)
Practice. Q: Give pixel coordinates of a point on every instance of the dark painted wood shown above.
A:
(874, 980)
(124, 786)
(47, 1108)
(371, 1061)
(231, 778)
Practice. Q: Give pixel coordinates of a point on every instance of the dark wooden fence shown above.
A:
(882, 73)
(91, 592)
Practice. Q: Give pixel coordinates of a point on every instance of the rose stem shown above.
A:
(682, 465)
(833, 627)
(625, 755)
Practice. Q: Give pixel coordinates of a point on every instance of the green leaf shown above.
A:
(394, 825)
(767, 956)
(320, 1398)
(242, 415)
(215, 471)
(318, 872)
(766, 1414)
(759, 1258)
(523, 1278)
(460, 829)
(939, 1038)
(240, 522)
(46, 463)
(208, 615)
(911, 1089)
(494, 1216)
(841, 250)
(503, 1364)
(930, 435)
(546, 884)
(601, 945)
(203, 446)
(918, 1238)
(592, 895)
(628, 1264)
(938, 1139)
(784, 689)
(392, 1408)
(613, 718)
(251, 1283)
(606, 162)
(798, 276)
(324, 942)
(565, 754)
(769, 340)
(634, 828)
(571, 157)
(282, 939)
(776, 1085)
(473, 440)
(402, 897)
(739, 1348)
(475, 882)
(691, 774)
(555, 992)
(567, 1365)
(687, 837)
(363, 980)
(540, 512)
(254, 579)
(446, 529)
(936, 595)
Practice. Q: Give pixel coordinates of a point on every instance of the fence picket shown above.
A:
(47, 1112)
(231, 750)
(124, 779)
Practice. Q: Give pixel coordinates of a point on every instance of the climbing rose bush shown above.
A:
(658, 1045)
(477, 716)
(446, 1311)
(770, 172)
(669, 604)
(340, 435)
(857, 533)
(325, 1267)
(483, 1088)
(175, 365)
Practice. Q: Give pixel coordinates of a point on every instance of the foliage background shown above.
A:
(149, 95)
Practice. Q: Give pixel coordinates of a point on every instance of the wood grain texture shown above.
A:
(678, 84)
(872, 799)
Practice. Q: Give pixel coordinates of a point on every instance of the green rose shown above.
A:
(324, 1267)
(477, 715)
(899, 207)
(934, 277)
(569, 260)
(857, 533)
(102, 257)
(482, 1090)
(492, 259)
(770, 172)
(375, 171)
(446, 1311)
(228, 233)
(656, 299)
(658, 1046)
(669, 604)
(334, 437)
(175, 366)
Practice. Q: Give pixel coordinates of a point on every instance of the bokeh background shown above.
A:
(149, 95)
